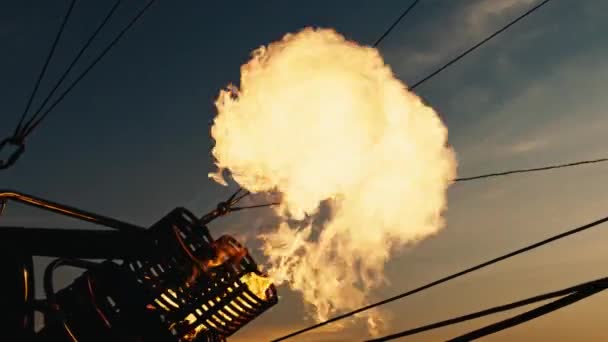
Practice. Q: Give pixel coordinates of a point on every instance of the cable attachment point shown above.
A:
(223, 208)
(19, 145)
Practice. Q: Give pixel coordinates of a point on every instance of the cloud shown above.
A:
(453, 30)
(526, 146)
(527, 93)
(562, 111)
(481, 14)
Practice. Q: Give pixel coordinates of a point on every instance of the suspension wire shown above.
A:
(544, 168)
(598, 283)
(75, 60)
(23, 130)
(37, 119)
(255, 206)
(476, 46)
(530, 315)
(238, 199)
(449, 277)
(235, 197)
(396, 22)
(44, 68)
(231, 198)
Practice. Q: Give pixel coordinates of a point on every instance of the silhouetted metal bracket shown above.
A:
(128, 241)
(70, 211)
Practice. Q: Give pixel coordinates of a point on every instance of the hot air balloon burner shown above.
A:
(170, 282)
(201, 287)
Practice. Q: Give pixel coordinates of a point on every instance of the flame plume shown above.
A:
(321, 119)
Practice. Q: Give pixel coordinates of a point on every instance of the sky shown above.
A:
(132, 141)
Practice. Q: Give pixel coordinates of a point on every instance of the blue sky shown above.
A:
(133, 140)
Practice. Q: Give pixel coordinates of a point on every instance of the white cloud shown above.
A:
(563, 111)
(456, 30)
(526, 146)
(481, 13)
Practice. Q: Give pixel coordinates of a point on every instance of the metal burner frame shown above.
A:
(160, 265)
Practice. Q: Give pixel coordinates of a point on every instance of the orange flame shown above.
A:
(257, 284)
(321, 119)
(225, 252)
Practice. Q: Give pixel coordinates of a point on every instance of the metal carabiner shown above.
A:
(16, 154)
